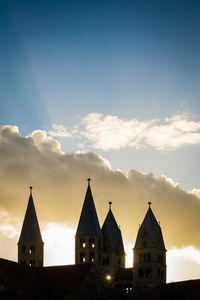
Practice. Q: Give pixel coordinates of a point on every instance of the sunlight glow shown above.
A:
(183, 264)
(129, 255)
(59, 244)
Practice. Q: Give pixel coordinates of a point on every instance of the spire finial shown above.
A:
(89, 179)
(31, 190)
(149, 203)
(110, 203)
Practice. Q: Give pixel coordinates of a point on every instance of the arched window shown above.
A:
(158, 273)
(161, 259)
(32, 249)
(82, 243)
(144, 257)
(103, 261)
(92, 242)
(32, 263)
(82, 257)
(23, 249)
(91, 257)
(119, 261)
(140, 273)
(107, 261)
(148, 257)
(147, 272)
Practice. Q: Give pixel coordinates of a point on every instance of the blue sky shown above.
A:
(64, 60)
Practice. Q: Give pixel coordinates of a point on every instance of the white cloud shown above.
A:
(112, 133)
(41, 141)
(189, 253)
(61, 131)
(177, 131)
(183, 264)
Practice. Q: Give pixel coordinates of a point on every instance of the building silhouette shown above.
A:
(30, 244)
(101, 248)
(149, 265)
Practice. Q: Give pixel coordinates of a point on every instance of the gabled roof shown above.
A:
(56, 279)
(30, 230)
(112, 232)
(151, 226)
(88, 222)
(17, 277)
(68, 278)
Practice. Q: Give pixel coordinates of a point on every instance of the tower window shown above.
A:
(107, 261)
(162, 275)
(147, 272)
(140, 273)
(148, 257)
(104, 261)
(82, 243)
(91, 257)
(32, 263)
(23, 249)
(32, 250)
(144, 257)
(158, 274)
(92, 242)
(82, 257)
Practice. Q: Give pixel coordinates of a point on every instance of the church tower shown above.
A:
(113, 255)
(88, 234)
(30, 245)
(149, 268)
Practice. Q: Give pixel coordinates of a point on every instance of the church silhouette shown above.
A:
(99, 269)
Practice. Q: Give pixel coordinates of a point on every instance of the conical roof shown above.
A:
(30, 230)
(112, 232)
(151, 226)
(88, 222)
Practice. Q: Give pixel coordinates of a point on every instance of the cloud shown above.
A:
(60, 131)
(183, 264)
(177, 132)
(112, 133)
(59, 185)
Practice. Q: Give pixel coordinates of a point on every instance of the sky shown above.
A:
(108, 90)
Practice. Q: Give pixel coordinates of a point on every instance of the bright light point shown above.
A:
(59, 242)
(108, 277)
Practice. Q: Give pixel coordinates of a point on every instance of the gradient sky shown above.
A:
(116, 78)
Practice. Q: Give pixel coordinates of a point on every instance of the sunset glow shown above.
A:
(107, 90)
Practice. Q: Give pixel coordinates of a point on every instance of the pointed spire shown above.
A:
(88, 222)
(151, 225)
(110, 203)
(30, 230)
(112, 231)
